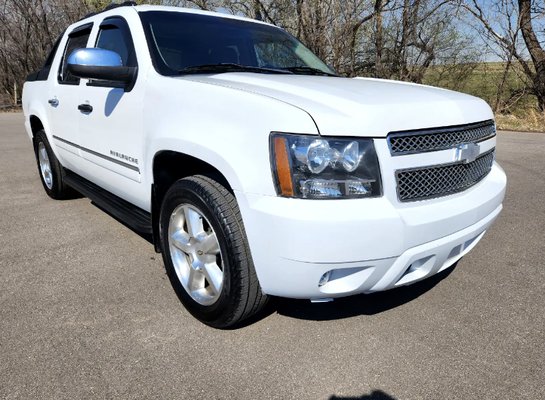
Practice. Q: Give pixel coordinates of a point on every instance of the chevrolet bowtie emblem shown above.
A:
(467, 152)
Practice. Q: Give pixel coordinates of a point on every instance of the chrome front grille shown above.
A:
(435, 139)
(442, 180)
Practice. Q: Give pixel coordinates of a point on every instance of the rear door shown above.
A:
(63, 97)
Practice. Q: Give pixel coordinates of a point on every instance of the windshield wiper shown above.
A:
(230, 67)
(308, 71)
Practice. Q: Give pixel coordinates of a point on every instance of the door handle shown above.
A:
(54, 102)
(85, 108)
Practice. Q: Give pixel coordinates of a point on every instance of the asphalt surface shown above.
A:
(86, 311)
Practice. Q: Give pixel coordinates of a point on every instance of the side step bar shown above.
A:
(134, 217)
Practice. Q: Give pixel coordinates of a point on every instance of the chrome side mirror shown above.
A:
(100, 64)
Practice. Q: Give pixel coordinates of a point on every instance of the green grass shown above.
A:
(515, 108)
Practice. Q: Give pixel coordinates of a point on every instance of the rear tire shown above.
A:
(50, 169)
(206, 253)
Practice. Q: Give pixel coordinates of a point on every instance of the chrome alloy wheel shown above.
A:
(196, 255)
(45, 166)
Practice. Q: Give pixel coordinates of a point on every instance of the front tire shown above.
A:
(206, 253)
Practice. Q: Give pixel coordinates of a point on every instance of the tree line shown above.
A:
(440, 42)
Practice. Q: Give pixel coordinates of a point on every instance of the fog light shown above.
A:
(358, 188)
(324, 279)
(320, 188)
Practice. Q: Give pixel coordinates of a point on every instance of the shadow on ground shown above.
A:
(375, 395)
(346, 307)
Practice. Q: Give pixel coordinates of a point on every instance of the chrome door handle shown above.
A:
(54, 102)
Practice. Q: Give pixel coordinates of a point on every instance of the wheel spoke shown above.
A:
(210, 244)
(45, 166)
(180, 239)
(195, 253)
(214, 276)
(195, 279)
(193, 221)
(45, 157)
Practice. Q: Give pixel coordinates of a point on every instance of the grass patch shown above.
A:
(516, 109)
(483, 80)
(530, 121)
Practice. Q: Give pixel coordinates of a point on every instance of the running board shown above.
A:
(133, 217)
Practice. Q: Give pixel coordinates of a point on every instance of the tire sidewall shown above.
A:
(55, 170)
(183, 193)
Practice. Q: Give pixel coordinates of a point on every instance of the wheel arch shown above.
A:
(36, 121)
(169, 166)
(35, 124)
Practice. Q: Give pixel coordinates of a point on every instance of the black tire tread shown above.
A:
(251, 298)
(59, 191)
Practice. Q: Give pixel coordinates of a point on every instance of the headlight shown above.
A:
(314, 167)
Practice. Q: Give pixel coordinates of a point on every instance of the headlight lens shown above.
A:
(324, 168)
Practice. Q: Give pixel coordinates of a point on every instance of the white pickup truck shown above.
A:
(251, 166)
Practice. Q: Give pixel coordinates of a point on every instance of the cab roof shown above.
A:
(120, 9)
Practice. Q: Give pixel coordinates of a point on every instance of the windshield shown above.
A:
(180, 41)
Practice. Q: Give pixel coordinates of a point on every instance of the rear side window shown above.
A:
(76, 40)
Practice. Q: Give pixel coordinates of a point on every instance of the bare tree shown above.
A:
(535, 49)
(415, 35)
(399, 39)
(503, 23)
(28, 29)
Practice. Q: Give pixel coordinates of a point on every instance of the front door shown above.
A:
(111, 122)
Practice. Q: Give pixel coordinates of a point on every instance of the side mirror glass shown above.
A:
(99, 64)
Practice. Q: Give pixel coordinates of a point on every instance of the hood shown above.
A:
(360, 106)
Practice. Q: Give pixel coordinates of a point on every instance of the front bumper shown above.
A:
(369, 244)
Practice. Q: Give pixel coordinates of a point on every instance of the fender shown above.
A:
(233, 139)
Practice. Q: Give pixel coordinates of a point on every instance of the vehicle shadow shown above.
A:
(374, 395)
(364, 304)
(147, 237)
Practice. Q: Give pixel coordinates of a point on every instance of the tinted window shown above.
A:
(114, 35)
(271, 54)
(179, 40)
(76, 40)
